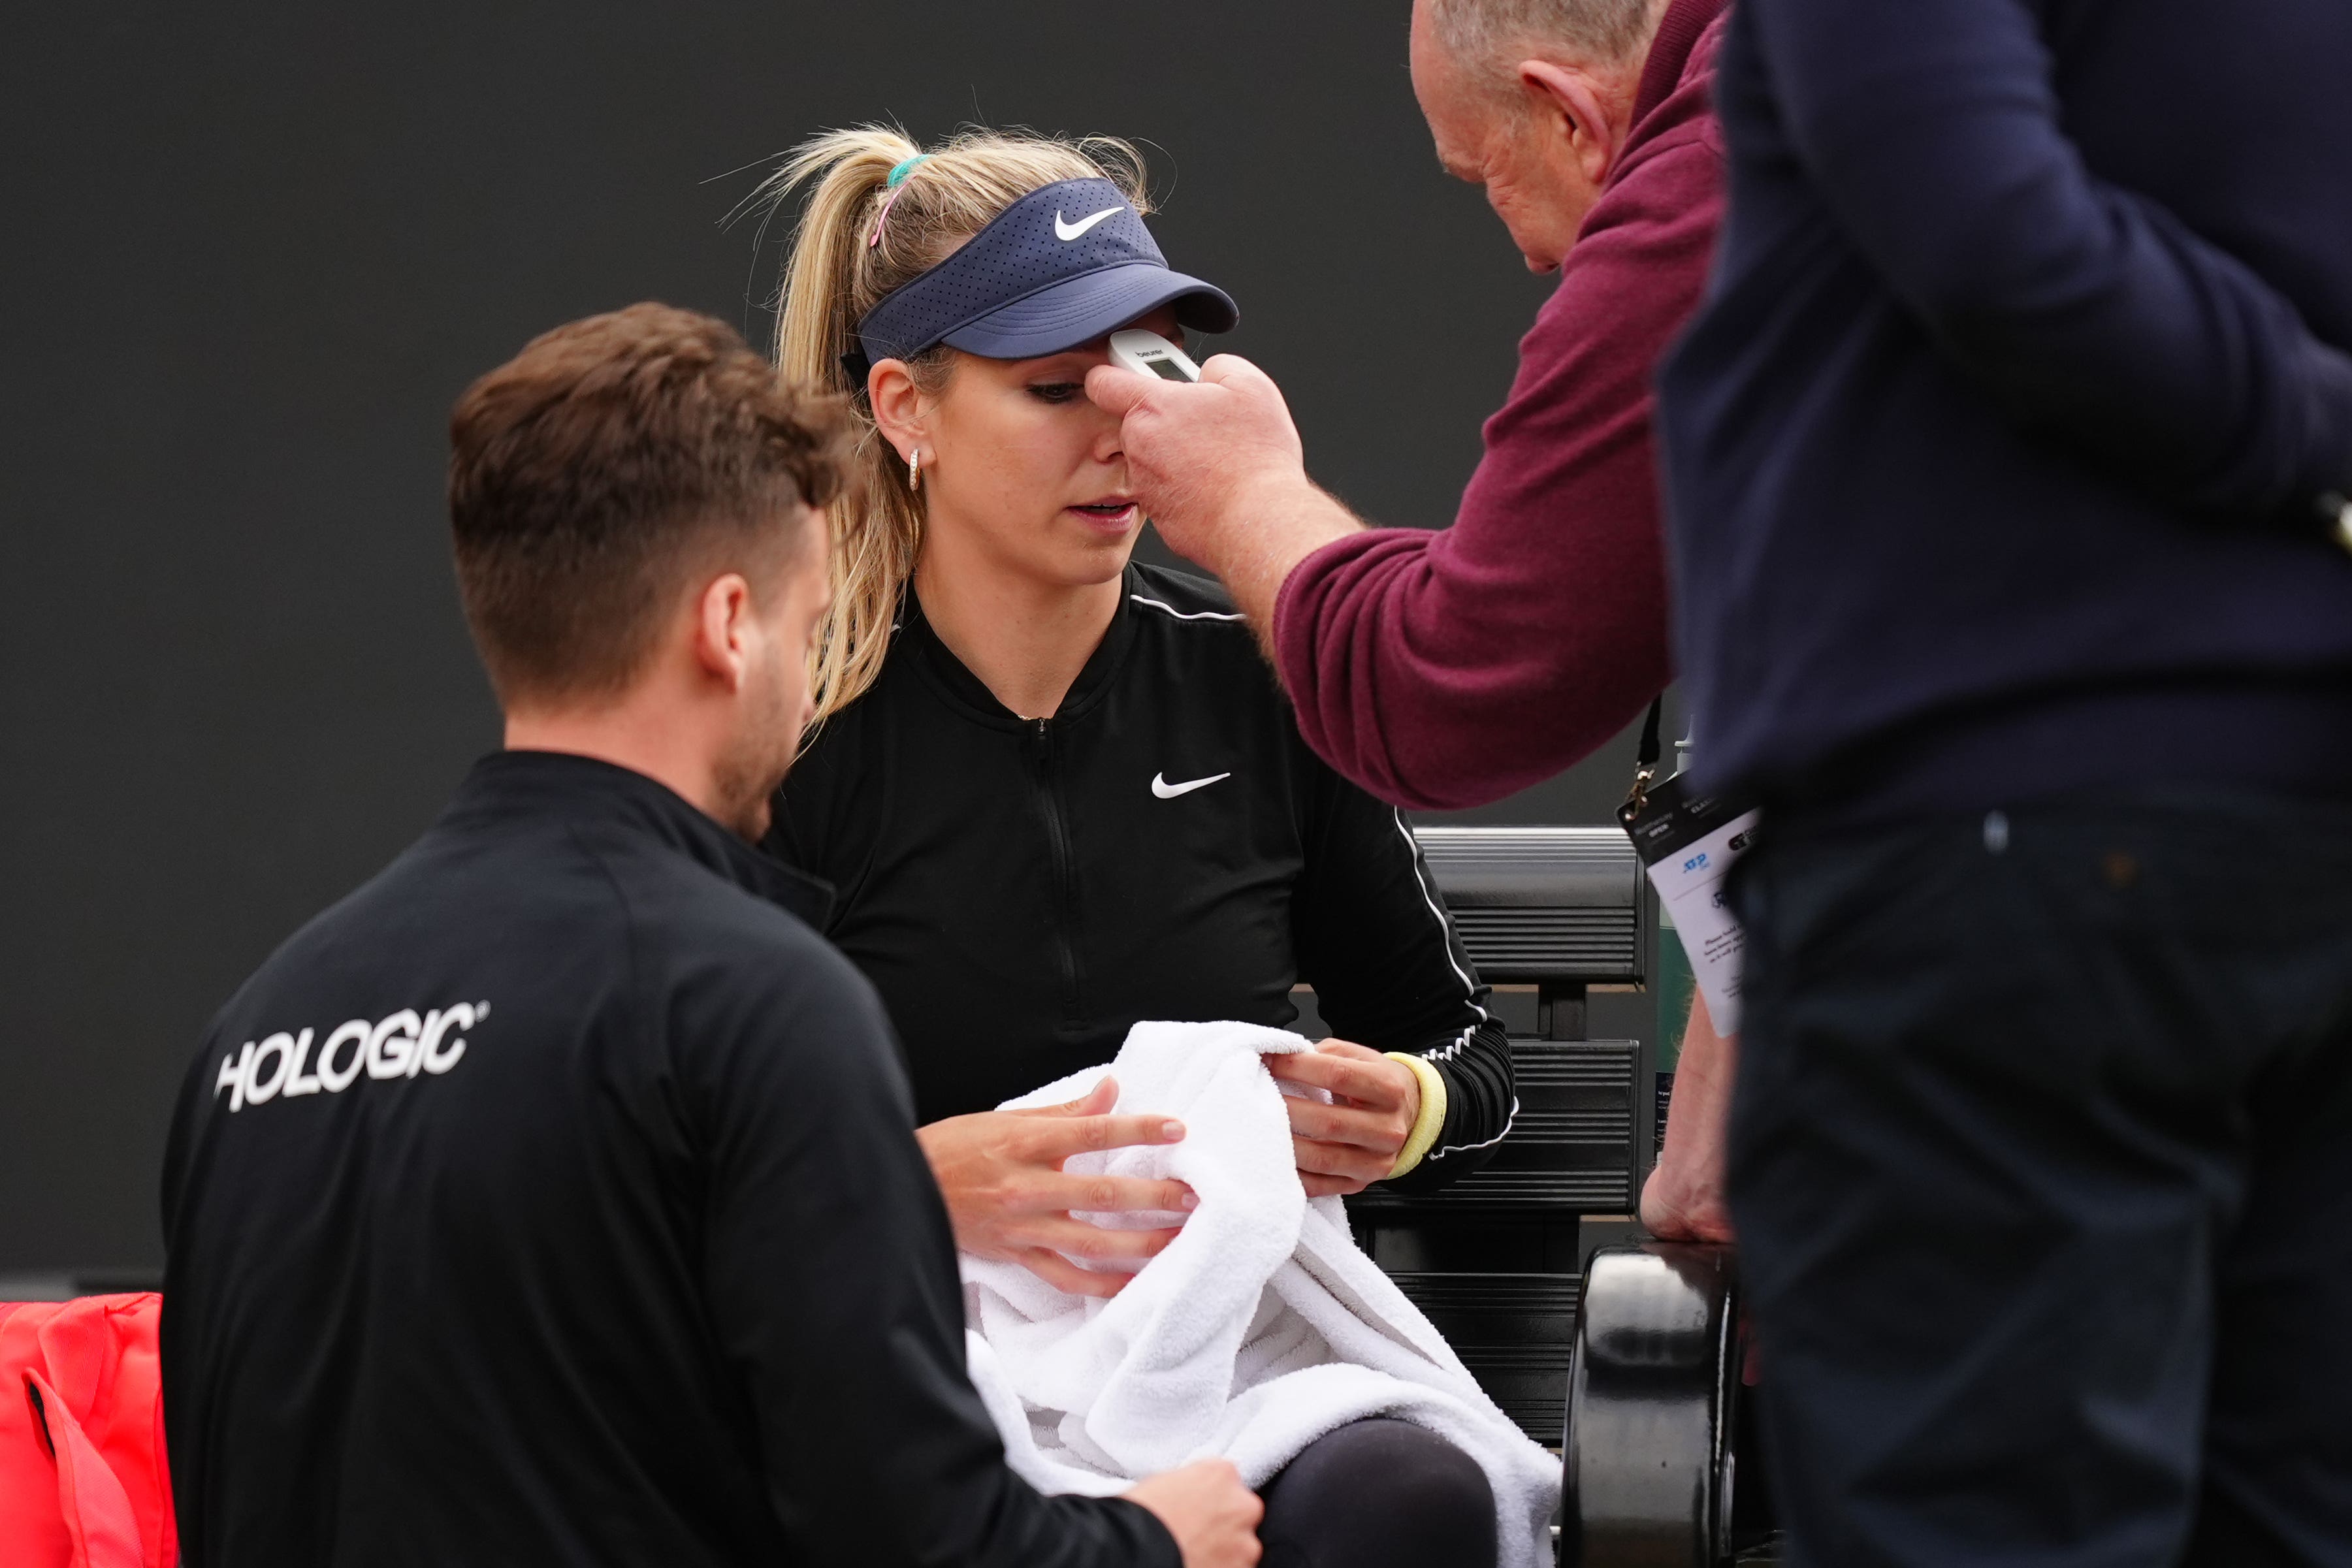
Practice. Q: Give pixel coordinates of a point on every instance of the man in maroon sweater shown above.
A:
(1448, 668)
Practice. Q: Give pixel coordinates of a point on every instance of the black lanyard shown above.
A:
(1647, 758)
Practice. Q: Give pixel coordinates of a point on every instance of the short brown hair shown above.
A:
(595, 472)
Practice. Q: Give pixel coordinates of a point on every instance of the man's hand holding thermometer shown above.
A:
(1216, 461)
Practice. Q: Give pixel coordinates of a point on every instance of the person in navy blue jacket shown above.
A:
(2006, 464)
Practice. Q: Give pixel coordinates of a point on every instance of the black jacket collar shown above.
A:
(970, 695)
(506, 785)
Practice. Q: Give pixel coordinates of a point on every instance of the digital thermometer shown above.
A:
(1148, 353)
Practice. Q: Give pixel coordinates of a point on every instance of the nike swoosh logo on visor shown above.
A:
(1167, 792)
(1066, 232)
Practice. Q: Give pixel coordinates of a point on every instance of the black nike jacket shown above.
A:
(554, 1199)
(1023, 891)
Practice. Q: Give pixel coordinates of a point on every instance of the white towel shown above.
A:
(1260, 1328)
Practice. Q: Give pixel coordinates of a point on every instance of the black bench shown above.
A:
(1624, 1356)
(1495, 1260)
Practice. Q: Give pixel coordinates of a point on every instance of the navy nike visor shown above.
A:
(1065, 265)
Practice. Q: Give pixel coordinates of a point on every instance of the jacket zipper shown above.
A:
(1057, 842)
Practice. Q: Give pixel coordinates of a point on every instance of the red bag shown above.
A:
(83, 1481)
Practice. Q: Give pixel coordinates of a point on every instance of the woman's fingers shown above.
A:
(1331, 1186)
(1370, 1080)
(1068, 1276)
(1050, 1140)
(1083, 1125)
(1335, 1046)
(1093, 1103)
(1090, 1243)
(1346, 1160)
(1061, 1192)
(1384, 1133)
(1375, 1101)
(1008, 1196)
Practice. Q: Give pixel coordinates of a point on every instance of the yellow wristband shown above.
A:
(1432, 1120)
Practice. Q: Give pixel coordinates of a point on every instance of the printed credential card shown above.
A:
(1688, 843)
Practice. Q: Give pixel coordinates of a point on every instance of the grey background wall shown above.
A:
(250, 259)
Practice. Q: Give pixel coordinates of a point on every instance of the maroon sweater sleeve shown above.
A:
(1445, 669)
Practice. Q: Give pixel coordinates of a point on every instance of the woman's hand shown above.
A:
(1009, 1199)
(1347, 1146)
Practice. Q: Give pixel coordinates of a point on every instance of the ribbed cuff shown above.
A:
(1432, 1120)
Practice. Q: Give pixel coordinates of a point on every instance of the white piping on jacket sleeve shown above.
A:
(1183, 615)
(1469, 992)
(1465, 1148)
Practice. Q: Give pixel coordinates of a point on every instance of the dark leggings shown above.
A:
(1379, 1494)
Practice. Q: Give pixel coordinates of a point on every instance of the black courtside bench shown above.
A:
(1495, 1260)
(1622, 1353)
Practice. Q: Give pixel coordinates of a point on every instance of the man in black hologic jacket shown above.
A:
(554, 1198)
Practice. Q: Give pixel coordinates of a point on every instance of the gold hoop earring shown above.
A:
(914, 468)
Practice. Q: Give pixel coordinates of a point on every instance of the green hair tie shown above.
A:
(899, 174)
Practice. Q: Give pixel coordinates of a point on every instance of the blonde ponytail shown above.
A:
(838, 271)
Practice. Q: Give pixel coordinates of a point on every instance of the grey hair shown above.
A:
(1478, 32)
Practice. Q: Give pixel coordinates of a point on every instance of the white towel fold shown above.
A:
(1260, 1328)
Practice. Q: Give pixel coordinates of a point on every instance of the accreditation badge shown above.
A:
(1688, 843)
